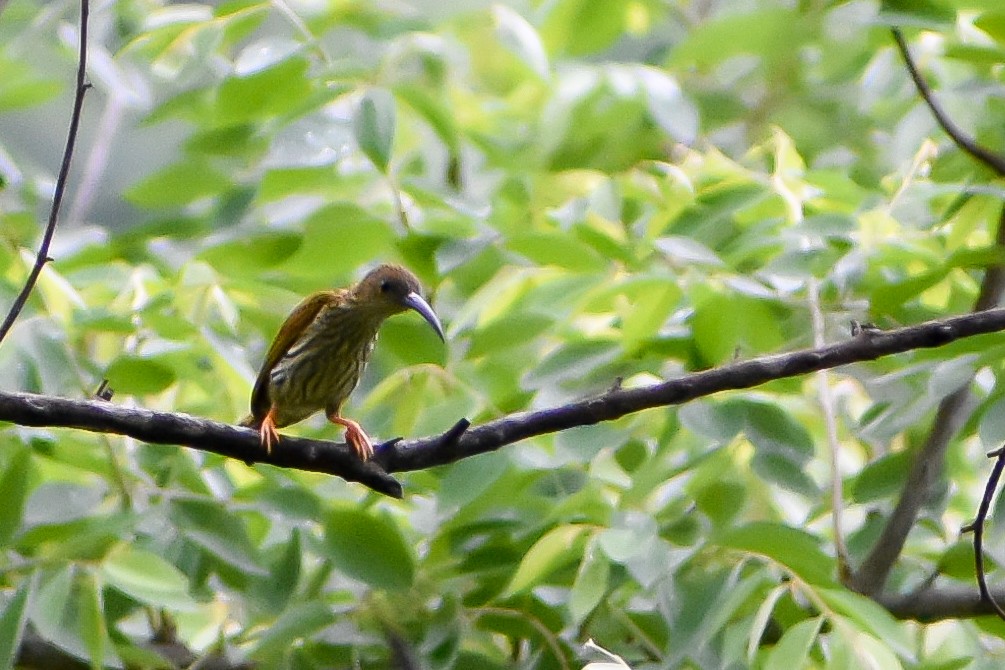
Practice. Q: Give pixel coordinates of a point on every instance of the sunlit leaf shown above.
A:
(369, 547)
(548, 554)
(147, 577)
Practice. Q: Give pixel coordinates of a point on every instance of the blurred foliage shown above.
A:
(592, 191)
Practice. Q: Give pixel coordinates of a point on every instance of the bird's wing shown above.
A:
(291, 330)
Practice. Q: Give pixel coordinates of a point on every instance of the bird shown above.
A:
(320, 351)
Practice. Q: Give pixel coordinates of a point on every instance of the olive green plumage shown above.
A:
(320, 351)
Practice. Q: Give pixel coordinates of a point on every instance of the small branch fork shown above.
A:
(978, 530)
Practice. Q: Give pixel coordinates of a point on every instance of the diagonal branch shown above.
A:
(959, 138)
(427, 452)
(42, 257)
(29, 409)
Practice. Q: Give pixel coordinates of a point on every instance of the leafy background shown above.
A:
(592, 191)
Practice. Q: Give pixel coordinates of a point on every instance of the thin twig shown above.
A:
(64, 170)
(978, 528)
(960, 139)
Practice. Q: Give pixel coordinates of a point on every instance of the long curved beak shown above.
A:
(414, 301)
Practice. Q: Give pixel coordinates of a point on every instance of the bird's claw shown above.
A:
(355, 437)
(360, 442)
(268, 433)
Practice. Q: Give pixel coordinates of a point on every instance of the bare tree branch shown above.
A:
(427, 452)
(959, 138)
(936, 604)
(64, 170)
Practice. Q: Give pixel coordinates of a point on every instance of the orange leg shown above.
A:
(268, 431)
(355, 436)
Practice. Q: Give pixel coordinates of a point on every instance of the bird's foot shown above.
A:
(268, 432)
(355, 436)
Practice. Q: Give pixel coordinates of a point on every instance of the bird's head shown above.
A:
(390, 289)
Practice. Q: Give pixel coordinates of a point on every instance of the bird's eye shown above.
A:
(385, 286)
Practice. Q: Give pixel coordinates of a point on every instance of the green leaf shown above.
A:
(13, 619)
(796, 550)
(882, 478)
(794, 648)
(373, 126)
(67, 612)
(647, 315)
(957, 562)
(766, 33)
(721, 501)
(920, 13)
(978, 55)
(552, 551)
(281, 586)
(434, 110)
(92, 620)
(369, 547)
(51, 609)
(517, 35)
(89, 538)
(359, 237)
(575, 360)
(581, 27)
(21, 86)
(992, 23)
(785, 472)
(510, 330)
(761, 618)
(720, 336)
(272, 91)
(590, 586)
(147, 577)
(134, 375)
(220, 533)
(557, 249)
(249, 255)
(772, 429)
(295, 624)
(872, 618)
(14, 485)
(177, 185)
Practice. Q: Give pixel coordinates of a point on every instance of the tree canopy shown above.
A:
(628, 214)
